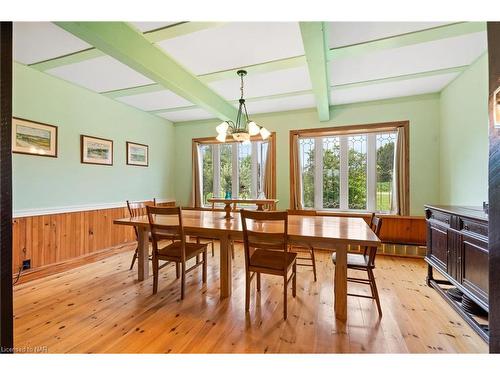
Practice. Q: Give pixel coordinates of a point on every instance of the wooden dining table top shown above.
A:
(348, 230)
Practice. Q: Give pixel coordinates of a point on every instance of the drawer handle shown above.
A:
(447, 221)
(466, 227)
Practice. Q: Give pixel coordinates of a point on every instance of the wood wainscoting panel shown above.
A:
(56, 238)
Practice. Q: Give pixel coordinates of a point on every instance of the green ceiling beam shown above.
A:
(124, 43)
(315, 40)
(71, 58)
(156, 35)
(428, 35)
(179, 29)
(457, 69)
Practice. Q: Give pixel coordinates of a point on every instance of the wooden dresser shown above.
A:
(457, 247)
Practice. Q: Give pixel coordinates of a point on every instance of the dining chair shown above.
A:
(365, 262)
(265, 239)
(165, 224)
(136, 209)
(303, 247)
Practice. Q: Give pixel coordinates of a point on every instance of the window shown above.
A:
(232, 169)
(351, 171)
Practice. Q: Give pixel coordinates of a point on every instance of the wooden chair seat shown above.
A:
(354, 260)
(173, 250)
(271, 259)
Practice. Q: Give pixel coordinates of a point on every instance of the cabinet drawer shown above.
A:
(473, 226)
(442, 217)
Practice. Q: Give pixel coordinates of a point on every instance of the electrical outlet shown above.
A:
(26, 264)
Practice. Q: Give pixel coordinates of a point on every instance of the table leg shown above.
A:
(143, 254)
(340, 284)
(260, 207)
(226, 274)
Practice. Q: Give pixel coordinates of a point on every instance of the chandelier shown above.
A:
(243, 129)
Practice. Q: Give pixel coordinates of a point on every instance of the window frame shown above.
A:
(343, 132)
(255, 155)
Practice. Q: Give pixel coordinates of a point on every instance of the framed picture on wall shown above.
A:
(96, 150)
(137, 154)
(34, 138)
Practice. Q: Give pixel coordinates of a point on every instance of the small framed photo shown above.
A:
(34, 138)
(96, 150)
(137, 154)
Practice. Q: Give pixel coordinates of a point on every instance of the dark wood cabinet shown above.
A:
(457, 247)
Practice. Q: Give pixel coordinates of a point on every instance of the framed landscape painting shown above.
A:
(96, 150)
(34, 138)
(137, 154)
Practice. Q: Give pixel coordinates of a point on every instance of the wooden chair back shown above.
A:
(301, 212)
(370, 220)
(264, 230)
(372, 250)
(136, 209)
(165, 223)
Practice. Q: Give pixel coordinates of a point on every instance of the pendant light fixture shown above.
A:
(244, 128)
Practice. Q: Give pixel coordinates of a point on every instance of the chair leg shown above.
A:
(156, 266)
(285, 287)
(204, 272)
(183, 279)
(375, 291)
(313, 258)
(294, 280)
(133, 259)
(247, 291)
(258, 281)
(177, 270)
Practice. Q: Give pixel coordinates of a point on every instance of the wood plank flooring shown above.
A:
(102, 308)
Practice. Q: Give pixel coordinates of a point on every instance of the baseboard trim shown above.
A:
(55, 268)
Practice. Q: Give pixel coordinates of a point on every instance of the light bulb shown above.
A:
(253, 128)
(264, 133)
(221, 137)
(222, 128)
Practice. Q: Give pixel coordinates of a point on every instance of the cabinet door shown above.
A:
(438, 246)
(475, 266)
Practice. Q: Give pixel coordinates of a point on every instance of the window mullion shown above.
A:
(216, 169)
(318, 173)
(235, 165)
(344, 173)
(371, 165)
(255, 164)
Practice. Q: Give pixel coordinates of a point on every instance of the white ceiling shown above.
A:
(444, 53)
(348, 33)
(235, 45)
(100, 74)
(152, 101)
(39, 41)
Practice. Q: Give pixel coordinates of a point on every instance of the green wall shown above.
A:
(464, 137)
(43, 182)
(422, 112)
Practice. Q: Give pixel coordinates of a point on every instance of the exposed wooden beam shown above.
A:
(124, 43)
(315, 40)
(156, 35)
(428, 35)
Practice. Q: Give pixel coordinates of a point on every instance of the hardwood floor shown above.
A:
(102, 308)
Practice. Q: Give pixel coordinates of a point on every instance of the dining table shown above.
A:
(334, 233)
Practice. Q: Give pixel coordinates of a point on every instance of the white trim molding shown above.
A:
(76, 208)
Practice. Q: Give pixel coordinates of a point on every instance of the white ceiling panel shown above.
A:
(389, 90)
(39, 41)
(187, 115)
(439, 54)
(148, 26)
(281, 104)
(263, 84)
(163, 99)
(348, 33)
(235, 45)
(100, 74)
